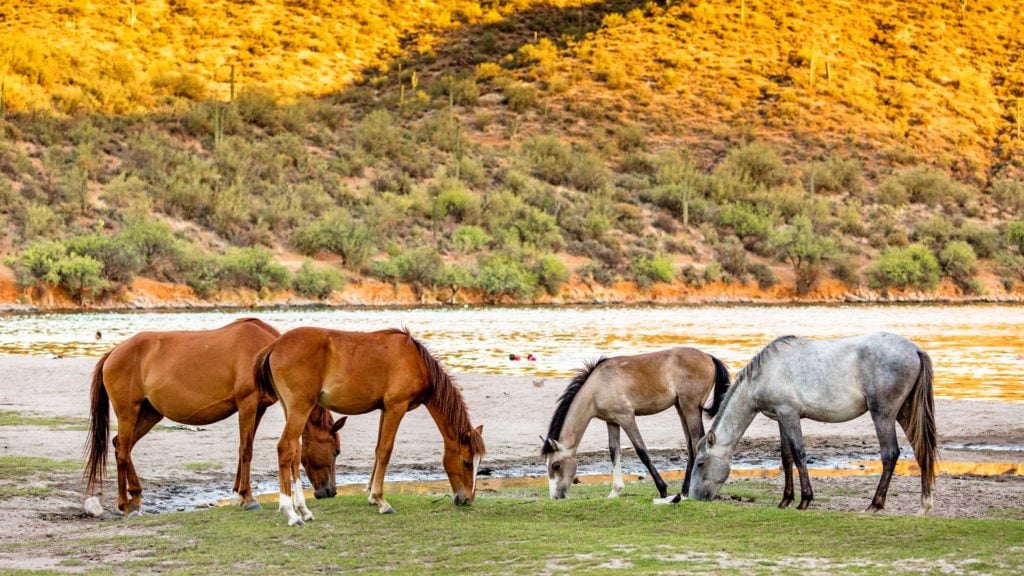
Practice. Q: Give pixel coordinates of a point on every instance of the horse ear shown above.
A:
(479, 430)
(338, 424)
(711, 439)
(556, 445)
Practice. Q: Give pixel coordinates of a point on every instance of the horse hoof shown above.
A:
(133, 514)
(785, 504)
(873, 508)
(389, 510)
(803, 505)
(673, 499)
(296, 522)
(254, 505)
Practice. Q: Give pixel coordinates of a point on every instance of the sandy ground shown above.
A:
(514, 412)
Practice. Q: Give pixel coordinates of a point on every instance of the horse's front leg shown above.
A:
(390, 418)
(787, 469)
(693, 426)
(250, 412)
(789, 427)
(885, 427)
(615, 451)
(641, 450)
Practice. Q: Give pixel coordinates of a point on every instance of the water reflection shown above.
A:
(977, 350)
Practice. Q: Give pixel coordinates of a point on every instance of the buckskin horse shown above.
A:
(618, 390)
(827, 381)
(355, 373)
(195, 378)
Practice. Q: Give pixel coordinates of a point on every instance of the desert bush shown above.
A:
(502, 276)
(80, 276)
(467, 239)
(985, 241)
(756, 163)
(629, 217)
(378, 136)
(120, 258)
(1014, 235)
(845, 268)
(892, 192)
(201, 273)
(960, 264)
(316, 282)
(1009, 194)
(452, 198)
(39, 221)
(805, 249)
(763, 275)
(252, 268)
(596, 272)
(551, 273)
(519, 96)
(733, 258)
(836, 175)
(587, 171)
(746, 221)
(160, 250)
(454, 277)
(913, 266)
(934, 232)
(647, 270)
(548, 157)
(929, 186)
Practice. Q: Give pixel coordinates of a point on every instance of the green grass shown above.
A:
(12, 418)
(530, 534)
(15, 468)
(203, 466)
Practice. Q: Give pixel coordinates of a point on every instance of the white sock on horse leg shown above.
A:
(300, 501)
(287, 504)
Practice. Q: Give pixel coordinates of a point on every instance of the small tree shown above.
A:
(805, 250)
(502, 276)
(551, 273)
(912, 266)
(960, 264)
(316, 282)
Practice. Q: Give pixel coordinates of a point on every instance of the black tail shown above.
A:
(261, 374)
(99, 429)
(721, 386)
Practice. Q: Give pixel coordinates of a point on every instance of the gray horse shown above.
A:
(828, 381)
(620, 389)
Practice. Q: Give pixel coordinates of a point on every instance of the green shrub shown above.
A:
(38, 262)
(258, 105)
(929, 186)
(763, 275)
(934, 232)
(502, 276)
(892, 192)
(959, 263)
(836, 175)
(160, 250)
(202, 273)
(846, 270)
(336, 233)
(419, 267)
(549, 158)
(551, 273)
(746, 221)
(1009, 194)
(316, 282)
(121, 259)
(519, 97)
(757, 164)
(451, 198)
(454, 277)
(733, 258)
(252, 268)
(467, 239)
(596, 273)
(805, 249)
(39, 221)
(913, 266)
(1015, 235)
(81, 276)
(588, 172)
(985, 241)
(378, 135)
(647, 270)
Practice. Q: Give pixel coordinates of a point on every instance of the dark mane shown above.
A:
(565, 401)
(752, 369)
(446, 397)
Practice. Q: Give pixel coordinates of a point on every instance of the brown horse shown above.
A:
(356, 373)
(195, 378)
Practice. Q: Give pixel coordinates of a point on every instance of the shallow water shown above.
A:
(978, 350)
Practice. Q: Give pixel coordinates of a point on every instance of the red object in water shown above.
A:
(531, 358)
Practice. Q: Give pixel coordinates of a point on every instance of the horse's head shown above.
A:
(462, 461)
(320, 448)
(710, 468)
(561, 467)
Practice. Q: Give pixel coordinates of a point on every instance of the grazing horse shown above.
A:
(356, 373)
(195, 378)
(620, 389)
(828, 381)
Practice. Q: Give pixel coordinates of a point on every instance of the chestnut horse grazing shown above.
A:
(356, 373)
(195, 378)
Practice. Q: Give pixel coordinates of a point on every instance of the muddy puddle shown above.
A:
(532, 476)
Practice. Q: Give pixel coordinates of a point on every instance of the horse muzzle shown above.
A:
(462, 500)
(325, 492)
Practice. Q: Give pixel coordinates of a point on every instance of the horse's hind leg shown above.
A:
(250, 412)
(789, 429)
(288, 458)
(787, 470)
(641, 450)
(615, 451)
(885, 427)
(148, 417)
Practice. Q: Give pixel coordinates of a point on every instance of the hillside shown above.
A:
(500, 150)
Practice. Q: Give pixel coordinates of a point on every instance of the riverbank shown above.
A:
(146, 294)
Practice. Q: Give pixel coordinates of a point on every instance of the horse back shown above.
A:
(183, 372)
(351, 372)
(654, 381)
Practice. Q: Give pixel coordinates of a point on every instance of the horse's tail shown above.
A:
(261, 373)
(721, 386)
(920, 428)
(446, 398)
(99, 429)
